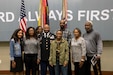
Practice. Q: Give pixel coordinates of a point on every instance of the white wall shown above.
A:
(107, 56)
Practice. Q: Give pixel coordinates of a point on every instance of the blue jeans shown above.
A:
(44, 65)
(60, 69)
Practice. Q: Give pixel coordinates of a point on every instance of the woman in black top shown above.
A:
(39, 31)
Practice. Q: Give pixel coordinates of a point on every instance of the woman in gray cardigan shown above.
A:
(78, 48)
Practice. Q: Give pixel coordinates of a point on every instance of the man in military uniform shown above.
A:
(47, 37)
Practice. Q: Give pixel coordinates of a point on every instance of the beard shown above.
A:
(62, 27)
(89, 30)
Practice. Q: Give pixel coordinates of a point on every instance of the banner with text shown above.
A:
(79, 11)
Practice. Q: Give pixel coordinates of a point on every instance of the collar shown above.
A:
(46, 34)
(62, 41)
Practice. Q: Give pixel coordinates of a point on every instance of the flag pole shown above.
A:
(64, 11)
(40, 14)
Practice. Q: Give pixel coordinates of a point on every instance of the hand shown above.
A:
(13, 64)
(22, 52)
(65, 64)
(97, 58)
(81, 64)
(51, 65)
(38, 61)
(72, 61)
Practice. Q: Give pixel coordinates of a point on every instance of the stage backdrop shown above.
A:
(99, 11)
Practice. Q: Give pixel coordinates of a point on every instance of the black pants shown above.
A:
(96, 68)
(44, 65)
(78, 70)
(37, 67)
(30, 63)
(69, 66)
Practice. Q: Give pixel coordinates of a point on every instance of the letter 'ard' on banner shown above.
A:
(98, 11)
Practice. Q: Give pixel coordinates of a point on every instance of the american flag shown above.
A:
(23, 17)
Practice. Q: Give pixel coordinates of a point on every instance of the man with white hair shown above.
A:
(94, 47)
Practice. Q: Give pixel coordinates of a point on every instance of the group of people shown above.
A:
(55, 51)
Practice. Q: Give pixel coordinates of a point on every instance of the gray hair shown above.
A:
(90, 22)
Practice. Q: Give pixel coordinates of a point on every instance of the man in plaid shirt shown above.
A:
(66, 32)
